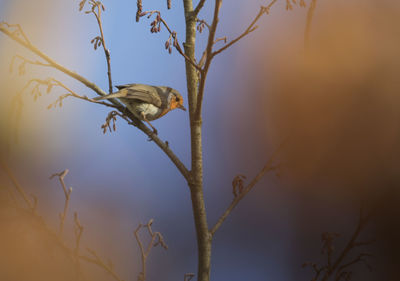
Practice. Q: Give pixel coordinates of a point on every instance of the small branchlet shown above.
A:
(15, 30)
(78, 230)
(107, 266)
(221, 39)
(317, 270)
(96, 8)
(238, 184)
(67, 194)
(155, 239)
(339, 267)
(50, 83)
(188, 276)
(168, 4)
(240, 191)
(327, 239)
(156, 27)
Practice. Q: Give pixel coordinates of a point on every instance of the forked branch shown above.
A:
(263, 10)
(155, 239)
(67, 194)
(19, 36)
(22, 40)
(156, 27)
(97, 260)
(339, 267)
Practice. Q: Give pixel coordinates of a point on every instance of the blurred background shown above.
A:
(337, 104)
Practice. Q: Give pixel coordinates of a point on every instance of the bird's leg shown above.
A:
(148, 122)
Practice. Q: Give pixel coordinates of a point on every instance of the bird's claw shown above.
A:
(155, 132)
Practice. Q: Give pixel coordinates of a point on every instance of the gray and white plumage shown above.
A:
(147, 102)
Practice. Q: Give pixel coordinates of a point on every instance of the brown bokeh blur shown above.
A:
(338, 104)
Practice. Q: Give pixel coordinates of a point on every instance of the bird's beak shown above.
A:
(182, 107)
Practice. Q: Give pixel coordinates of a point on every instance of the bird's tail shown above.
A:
(110, 96)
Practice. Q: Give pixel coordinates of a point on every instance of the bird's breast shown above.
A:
(151, 111)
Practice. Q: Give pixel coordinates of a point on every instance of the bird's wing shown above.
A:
(145, 93)
(141, 92)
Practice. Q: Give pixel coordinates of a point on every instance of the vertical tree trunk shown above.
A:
(196, 181)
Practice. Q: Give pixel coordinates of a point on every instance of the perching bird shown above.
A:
(147, 102)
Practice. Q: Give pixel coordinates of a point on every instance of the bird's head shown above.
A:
(176, 100)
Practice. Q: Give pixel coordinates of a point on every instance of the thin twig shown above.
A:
(208, 59)
(17, 32)
(22, 41)
(167, 150)
(67, 194)
(268, 167)
(18, 187)
(109, 268)
(198, 7)
(362, 222)
(172, 33)
(263, 10)
(69, 253)
(97, 14)
(155, 239)
(78, 230)
(25, 61)
(358, 259)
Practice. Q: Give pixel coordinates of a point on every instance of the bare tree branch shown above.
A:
(263, 10)
(268, 167)
(156, 28)
(208, 58)
(21, 68)
(78, 230)
(97, 14)
(18, 187)
(26, 43)
(198, 7)
(67, 194)
(338, 267)
(109, 268)
(155, 239)
(70, 254)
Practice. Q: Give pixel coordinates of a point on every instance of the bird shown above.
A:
(147, 102)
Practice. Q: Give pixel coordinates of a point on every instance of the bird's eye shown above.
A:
(177, 99)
